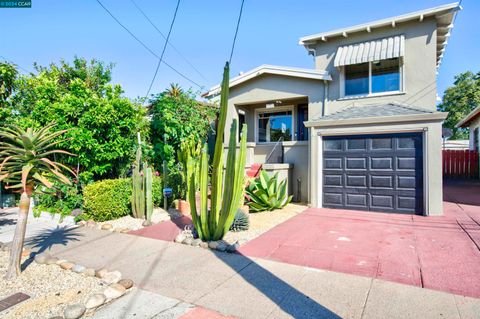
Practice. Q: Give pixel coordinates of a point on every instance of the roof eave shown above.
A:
(469, 118)
(376, 120)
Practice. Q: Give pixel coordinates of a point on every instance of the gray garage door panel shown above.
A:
(374, 172)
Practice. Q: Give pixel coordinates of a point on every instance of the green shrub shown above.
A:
(266, 194)
(108, 199)
(111, 198)
(66, 199)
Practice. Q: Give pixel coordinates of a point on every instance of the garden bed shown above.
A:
(51, 289)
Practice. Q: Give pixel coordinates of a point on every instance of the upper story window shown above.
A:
(371, 78)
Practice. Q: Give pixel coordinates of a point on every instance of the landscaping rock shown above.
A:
(51, 261)
(187, 241)
(127, 283)
(233, 247)
(95, 301)
(119, 229)
(74, 311)
(82, 223)
(180, 238)
(107, 227)
(124, 231)
(78, 269)
(221, 246)
(41, 258)
(91, 224)
(89, 272)
(67, 265)
(112, 277)
(26, 252)
(196, 242)
(76, 212)
(213, 244)
(146, 223)
(99, 273)
(61, 261)
(203, 244)
(114, 291)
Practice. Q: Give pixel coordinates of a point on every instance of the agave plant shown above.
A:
(213, 221)
(266, 194)
(241, 222)
(26, 166)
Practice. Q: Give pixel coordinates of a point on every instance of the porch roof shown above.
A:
(274, 70)
(380, 113)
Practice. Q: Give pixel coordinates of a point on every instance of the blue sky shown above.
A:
(269, 33)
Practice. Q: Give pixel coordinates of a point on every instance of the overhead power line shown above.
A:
(146, 47)
(164, 48)
(19, 66)
(165, 38)
(236, 32)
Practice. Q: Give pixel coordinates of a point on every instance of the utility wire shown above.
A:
(19, 66)
(147, 48)
(164, 48)
(236, 32)
(164, 37)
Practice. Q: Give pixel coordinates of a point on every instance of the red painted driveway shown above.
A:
(440, 253)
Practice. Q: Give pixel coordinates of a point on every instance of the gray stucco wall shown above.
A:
(419, 65)
(474, 124)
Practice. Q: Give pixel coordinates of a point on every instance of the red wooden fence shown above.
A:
(460, 163)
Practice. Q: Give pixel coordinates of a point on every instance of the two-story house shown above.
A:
(360, 130)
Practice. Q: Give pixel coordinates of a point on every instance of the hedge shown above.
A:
(111, 198)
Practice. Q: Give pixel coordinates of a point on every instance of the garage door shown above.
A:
(374, 172)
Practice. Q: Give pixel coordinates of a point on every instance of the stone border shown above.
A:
(186, 237)
(104, 226)
(115, 285)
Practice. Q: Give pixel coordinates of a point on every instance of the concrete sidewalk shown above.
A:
(36, 226)
(246, 287)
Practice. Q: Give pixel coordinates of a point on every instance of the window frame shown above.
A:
(401, 89)
(276, 109)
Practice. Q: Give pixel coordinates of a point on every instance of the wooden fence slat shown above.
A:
(460, 163)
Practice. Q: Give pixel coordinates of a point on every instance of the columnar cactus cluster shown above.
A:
(142, 178)
(213, 221)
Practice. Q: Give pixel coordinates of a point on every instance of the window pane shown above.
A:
(356, 79)
(333, 145)
(386, 75)
(273, 126)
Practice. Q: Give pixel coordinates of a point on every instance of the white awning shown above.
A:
(381, 49)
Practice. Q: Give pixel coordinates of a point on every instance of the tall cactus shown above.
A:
(142, 179)
(226, 193)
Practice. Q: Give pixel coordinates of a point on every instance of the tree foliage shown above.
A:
(177, 116)
(459, 100)
(8, 77)
(101, 122)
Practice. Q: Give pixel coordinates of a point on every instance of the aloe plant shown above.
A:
(266, 194)
(26, 166)
(213, 221)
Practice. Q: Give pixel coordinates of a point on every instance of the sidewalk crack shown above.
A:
(366, 299)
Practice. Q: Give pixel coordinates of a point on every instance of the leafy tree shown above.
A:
(101, 122)
(27, 165)
(177, 116)
(8, 76)
(459, 100)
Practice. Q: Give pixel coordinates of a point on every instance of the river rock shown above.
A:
(127, 283)
(196, 242)
(112, 277)
(124, 231)
(187, 241)
(74, 311)
(26, 252)
(233, 247)
(180, 238)
(213, 244)
(107, 227)
(51, 261)
(78, 269)
(41, 258)
(221, 246)
(114, 291)
(91, 224)
(146, 223)
(67, 265)
(95, 301)
(203, 244)
(99, 273)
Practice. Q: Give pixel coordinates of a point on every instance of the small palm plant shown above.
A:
(266, 194)
(26, 167)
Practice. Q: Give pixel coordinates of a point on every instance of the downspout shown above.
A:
(325, 97)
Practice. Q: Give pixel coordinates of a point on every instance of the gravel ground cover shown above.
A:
(51, 289)
(128, 222)
(264, 221)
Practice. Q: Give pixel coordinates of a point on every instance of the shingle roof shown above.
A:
(390, 109)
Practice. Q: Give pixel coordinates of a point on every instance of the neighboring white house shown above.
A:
(360, 130)
(472, 121)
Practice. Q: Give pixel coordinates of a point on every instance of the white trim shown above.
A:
(320, 172)
(274, 110)
(470, 117)
(275, 70)
(426, 159)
